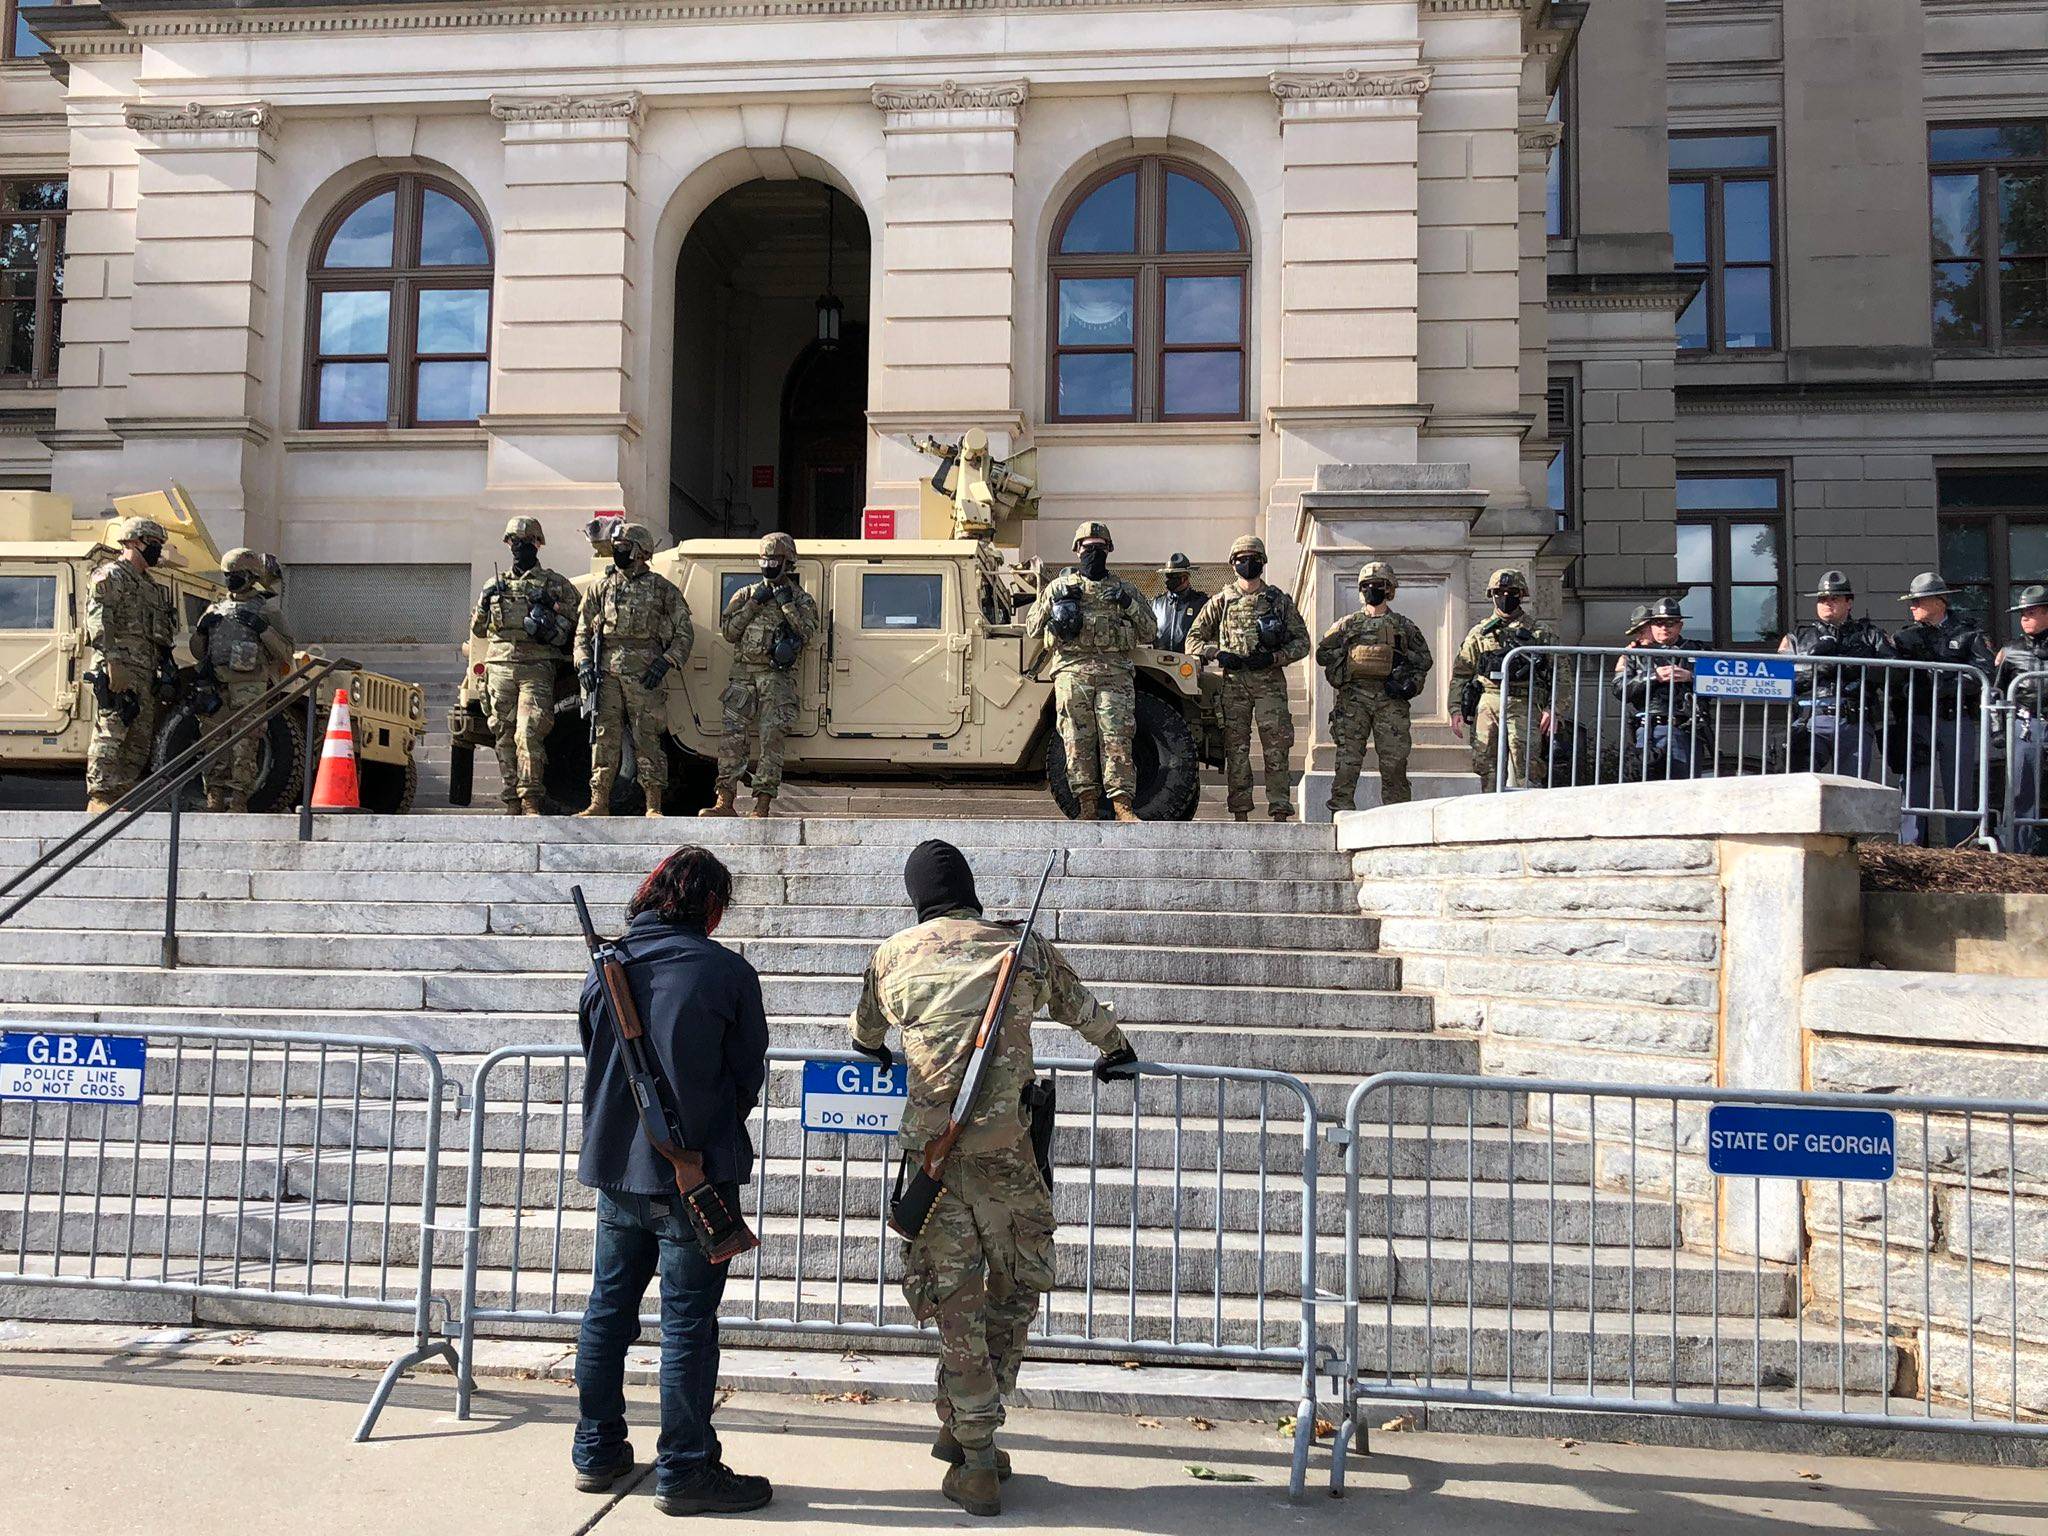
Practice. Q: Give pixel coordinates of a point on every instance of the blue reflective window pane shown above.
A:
(1196, 219)
(26, 44)
(355, 392)
(1753, 616)
(1695, 551)
(1721, 152)
(1727, 493)
(1095, 311)
(356, 324)
(1987, 141)
(1959, 303)
(1204, 309)
(1692, 325)
(1697, 604)
(364, 239)
(1956, 218)
(1689, 223)
(2027, 554)
(1203, 383)
(1746, 311)
(1107, 220)
(1746, 221)
(454, 320)
(1753, 551)
(2023, 214)
(449, 237)
(1095, 384)
(451, 391)
(1556, 481)
(2023, 302)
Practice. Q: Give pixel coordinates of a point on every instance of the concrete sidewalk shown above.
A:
(130, 1447)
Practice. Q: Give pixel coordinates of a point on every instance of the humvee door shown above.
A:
(899, 649)
(40, 646)
(710, 663)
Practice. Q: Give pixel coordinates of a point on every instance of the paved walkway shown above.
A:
(132, 1447)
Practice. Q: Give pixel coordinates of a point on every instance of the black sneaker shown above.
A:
(717, 1490)
(600, 1479)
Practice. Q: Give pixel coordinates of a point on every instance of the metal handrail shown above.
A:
(167, 785)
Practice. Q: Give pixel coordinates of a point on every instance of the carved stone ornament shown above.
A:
(952, 96)
(620, 107)
(1352, 85)
(195, 117)
(1540, 138)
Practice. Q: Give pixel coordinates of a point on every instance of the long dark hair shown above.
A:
(690, 889)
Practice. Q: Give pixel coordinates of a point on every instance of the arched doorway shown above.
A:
(768, 423)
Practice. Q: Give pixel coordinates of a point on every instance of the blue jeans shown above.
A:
(638, 1237)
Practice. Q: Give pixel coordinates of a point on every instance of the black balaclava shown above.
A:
(152, 553)
(938, 880)
(239, 581)
(525, 554)
(1094, 562)
(1177, 582)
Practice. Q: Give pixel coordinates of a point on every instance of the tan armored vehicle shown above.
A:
(47, 555)
(922, 672)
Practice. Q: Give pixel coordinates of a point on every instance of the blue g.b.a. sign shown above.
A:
(1742, 677)
(854, 1097)
(1795, 1142)
(68, 1068)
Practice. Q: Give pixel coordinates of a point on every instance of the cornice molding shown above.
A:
(198, 117)
(1350, 85)
(1688, 404)
(952, 96)
(609, 107)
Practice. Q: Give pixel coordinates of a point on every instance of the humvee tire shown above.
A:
(691, 779)
(1168, 763)
(280, 765)
(461, 774)
(390, 788)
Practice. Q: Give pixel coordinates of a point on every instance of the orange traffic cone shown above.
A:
(338, 788)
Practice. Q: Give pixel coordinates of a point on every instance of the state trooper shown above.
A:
(985, 1256)
(1093, 624)
(631, 632)
(1253, 632)
(2027, 741)
(130, 624)
(529, 618)
(1174, 609)
(239, 643)
(768, 625)
(1670, 737)
(1479, 704)
(1938, 713)
(1839, 707)
(1376, 660)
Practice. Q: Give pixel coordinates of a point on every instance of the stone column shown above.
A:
(945, 236)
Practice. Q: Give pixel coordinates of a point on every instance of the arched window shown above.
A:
(399, 310)
(1149, 299)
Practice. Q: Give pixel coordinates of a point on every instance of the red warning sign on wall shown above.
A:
(878, 523)
(764, 477)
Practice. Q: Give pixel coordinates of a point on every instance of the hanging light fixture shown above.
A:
(830, 309)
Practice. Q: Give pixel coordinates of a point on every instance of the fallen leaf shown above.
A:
(241, 1338)
(1211, 1475)
(1130, 1365)
(1324, 1428)
(843, 1397)
(1397, 1425)
(1811, 1477)
(1568, 1444)
(1200, 1423)
(1151, 1424)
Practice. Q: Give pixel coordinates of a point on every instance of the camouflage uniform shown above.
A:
(642, 620)
(240, 642)
(1481, 658)
(520, 669)
(986, 1255)
(130, 623)
(1228, 625)
(1359, 654)
(760, 696)
(1094, 679)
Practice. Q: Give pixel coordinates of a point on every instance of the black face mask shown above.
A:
(939, 881)
(1176, 583)
(1095, 562)
(771, 570)
(1507, 602)
(151, 554)
(238, 581)
(525, 554)
(624, 559)
(1376, 594)
(1251, 567)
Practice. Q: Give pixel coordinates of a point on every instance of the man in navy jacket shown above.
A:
(701, 1005)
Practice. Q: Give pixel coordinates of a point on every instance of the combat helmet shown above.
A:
(1088, 531)
(524, 528)
(635, 535)
(132, 530)
(1833, 584)
(1507, 579)
(1248, 544)
(1380, 571)
(777, 546)
(252, 563)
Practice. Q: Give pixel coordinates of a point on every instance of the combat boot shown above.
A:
(533, 805)
(654, 812)
(1281, 813)
(514, 807)
(1090, 806)
(975, 1489)
(94, 805)
(722, 806)
(954, 1454)
(600, 796)
(1240, 815)
(762, 805)
(216, 800)
(1123, 811)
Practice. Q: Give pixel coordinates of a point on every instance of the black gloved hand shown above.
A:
(1125, 595)
(205, 625)
(497, 588)
(656, 671)
(586, 678)
(1229, 661)
(880, 1055)
(255, 623)
(763, 592)
(1116, 1066)
(1258, 661)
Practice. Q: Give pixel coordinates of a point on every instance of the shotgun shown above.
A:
(721, 1231)
(912, 1207)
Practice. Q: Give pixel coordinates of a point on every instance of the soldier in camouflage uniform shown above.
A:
(1376, 660)
(630, 633)
(768, 626)
(130, 623)
(985, 1256)
(1253, 632)
(1476, 673)
(240, 643)
(529, 618)
(1092, 623)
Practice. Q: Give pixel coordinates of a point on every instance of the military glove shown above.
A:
(1258, 661)
(881, 1055)
(495, 589)
(1125, 596)
(1229, 661)
(205, 625)
(1116, 1066)
(656, 671)
(763, 593)
(586, 678)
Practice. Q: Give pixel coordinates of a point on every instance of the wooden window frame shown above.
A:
(1722, 579)
(404, 280)
(1149, 265)
(1998, 521)
(1715, 269)
(10, 21)
(1989, 230)
(49, 299)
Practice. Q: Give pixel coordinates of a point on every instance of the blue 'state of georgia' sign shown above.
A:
(74, 1069)
(1794, 1142)
(854, 1098)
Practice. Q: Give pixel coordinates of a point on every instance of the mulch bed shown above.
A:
(1969, 871)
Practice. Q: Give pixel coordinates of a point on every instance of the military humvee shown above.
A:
(922, 671)
(47, 556)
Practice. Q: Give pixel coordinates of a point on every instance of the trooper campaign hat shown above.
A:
(1177, 564)
(1926, 584)
(1833, 584)
(2035, 596)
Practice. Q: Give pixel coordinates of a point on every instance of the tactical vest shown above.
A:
(234, 649)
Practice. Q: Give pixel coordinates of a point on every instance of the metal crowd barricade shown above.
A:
(1624, 1276)
(257, 1167)
(2023, 828)
(1923, 726)
(1194, 1189)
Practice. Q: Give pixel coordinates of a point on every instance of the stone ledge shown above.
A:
(1995, 1012)
(1787, 805)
